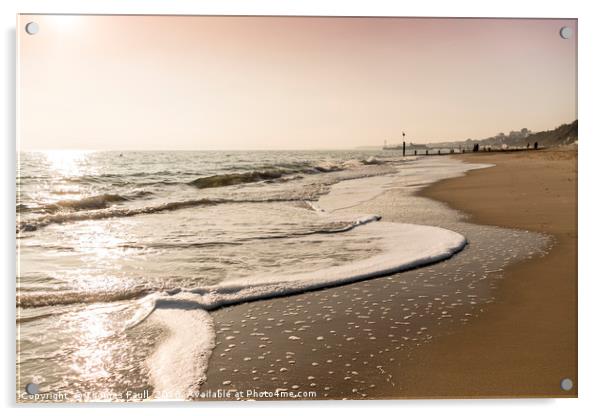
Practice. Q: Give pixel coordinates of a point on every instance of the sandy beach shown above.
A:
(496, 331)
(527, 341)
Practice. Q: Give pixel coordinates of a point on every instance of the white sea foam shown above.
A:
(404, 246)
(178, 365)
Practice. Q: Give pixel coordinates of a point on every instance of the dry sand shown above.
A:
(527, 341)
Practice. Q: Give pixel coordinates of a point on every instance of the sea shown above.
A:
(108, 241)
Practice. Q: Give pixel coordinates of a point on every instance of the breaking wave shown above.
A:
(230, 179)
(94, 202)
(43, 221)
(91, 202)
(68, 297)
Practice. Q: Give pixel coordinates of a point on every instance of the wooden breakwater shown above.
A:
(439, 151)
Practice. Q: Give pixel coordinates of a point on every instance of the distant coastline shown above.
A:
(564, 134)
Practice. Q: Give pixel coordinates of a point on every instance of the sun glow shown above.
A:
(68, 162)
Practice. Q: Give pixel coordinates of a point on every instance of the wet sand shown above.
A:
(471, 326)
(526, 342)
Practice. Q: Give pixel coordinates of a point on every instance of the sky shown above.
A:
(211, 83)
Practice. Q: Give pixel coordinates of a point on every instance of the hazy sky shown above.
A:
(159, 82)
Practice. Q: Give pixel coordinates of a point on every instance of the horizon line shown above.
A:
(294, 149)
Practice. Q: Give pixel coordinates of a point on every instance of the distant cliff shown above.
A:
(565, 134)
(562, 135)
